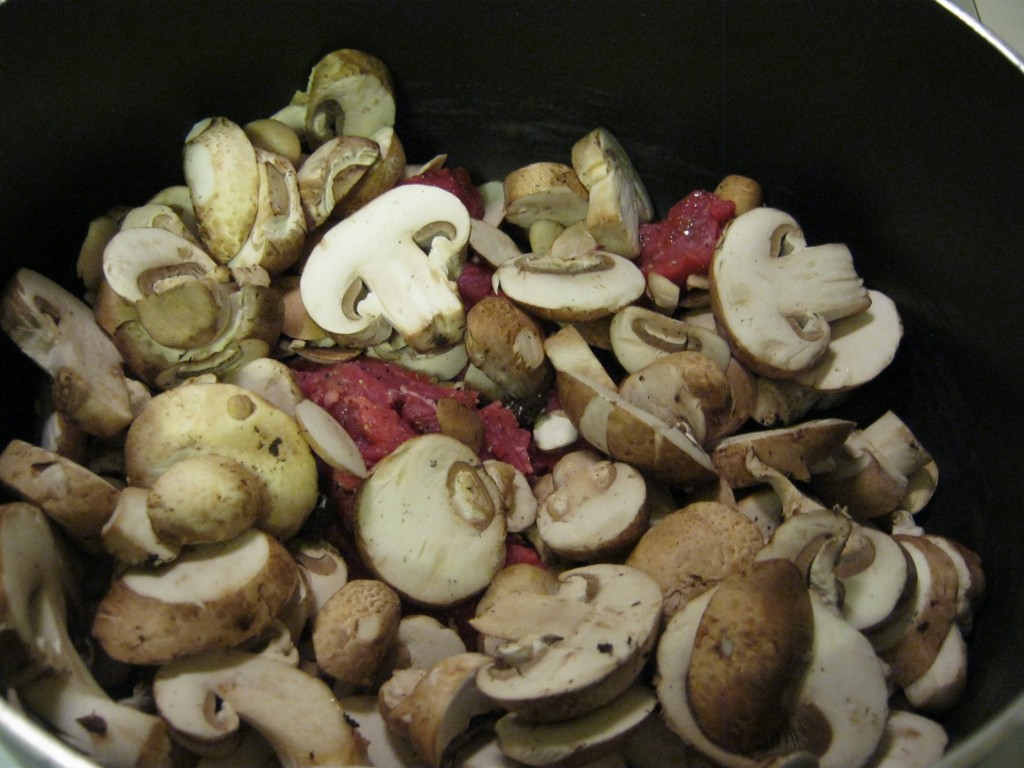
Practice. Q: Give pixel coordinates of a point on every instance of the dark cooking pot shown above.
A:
(893, 127)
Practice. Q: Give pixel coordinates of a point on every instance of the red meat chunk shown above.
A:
(682, 244)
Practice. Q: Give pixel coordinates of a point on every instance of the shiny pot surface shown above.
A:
(892, 127)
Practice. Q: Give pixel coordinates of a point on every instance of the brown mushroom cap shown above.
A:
(749, 655)
(354, 628)
(694, 548)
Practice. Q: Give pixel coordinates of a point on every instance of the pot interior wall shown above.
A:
(890, 126)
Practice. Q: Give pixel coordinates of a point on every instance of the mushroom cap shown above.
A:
(572, 652)
(354, 628)
(694, 548)
(774, 296)
(508, 346)
(639, 336)
(225, 419)
(212, 596)
(544, 191)
(429, 521)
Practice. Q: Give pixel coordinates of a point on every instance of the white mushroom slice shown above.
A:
(376, 250)
(507, 345)
(585, 286)
(212, 596)
(223, 177)
(442, 364)
(157, 215)
(328, 439)
(275, 136)
(895, 444)
(942, 685)
(206, 499)
(618, 199)
(129, 536)
(971, 582)
(664, 294)
(492, 244)
(74, 497)
(596, 508)
(493, 194)
(179, 198)
(384, 746)
(89, 266)
(572, 652)
(442, 706)
(762, 507)
(279, 228)
(421, 642)
(270, 379)
(518, 501)
(350, 93)
(639, 336)
(53, 682)
(226, 419)
(553, 430)
(60, 335)
(581, 739)
(295, 712)
(774, 296)
(544, 192)
(861, 347)
(544, 233)
(429, 521)
(910, 740)
(878, 579)
(354, 629)
(782, 402)
(331, 172)
(132, 253)
(799, 451)
(616, 427)
(323, 569)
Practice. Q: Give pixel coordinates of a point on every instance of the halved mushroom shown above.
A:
(77, 499)
(59, 333)
(331, 172)
(639, 336)
(775, 296)
(799, 451)
(212, 596)
(544, 192)
(350, 93)
(507, 345)
(580, 740)
(429, 521)
(228, 420)
(596, 507)
(570, 286)
(694, 548)
(208, 695)
(616, 427)
(349, 286)
(572, 652)
(861, 347)
(52, 680)
(354, 629)
(617, 198)
(223, 177)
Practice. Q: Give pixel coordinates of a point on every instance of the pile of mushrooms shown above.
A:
(720, 572)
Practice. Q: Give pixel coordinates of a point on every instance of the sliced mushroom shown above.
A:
(596, 507)
(354, 629)
(616, 427)
(421, 305)
(878, 579)
(350, 93)
(212, 596)
(618, 201)
(52, 680)
(518, 501)
(639, 336)
(58, 332)
(208, 695)
(231, 421)
(77, 499)
(572, 652)
(910, 741)
(429, 521)
(775, 296)
(799, 451)
(582, 739)
(382, 175)
(275, 136)
(507, 345)
(442, 706)
(861, 347)
(331, 172)
(223, 177)
(553, 430)
(694, 548)
(323, 569)
(420, 642)
(129, 536)
(544, 192)
(492, 244)
(271, 379)
(579, 286)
